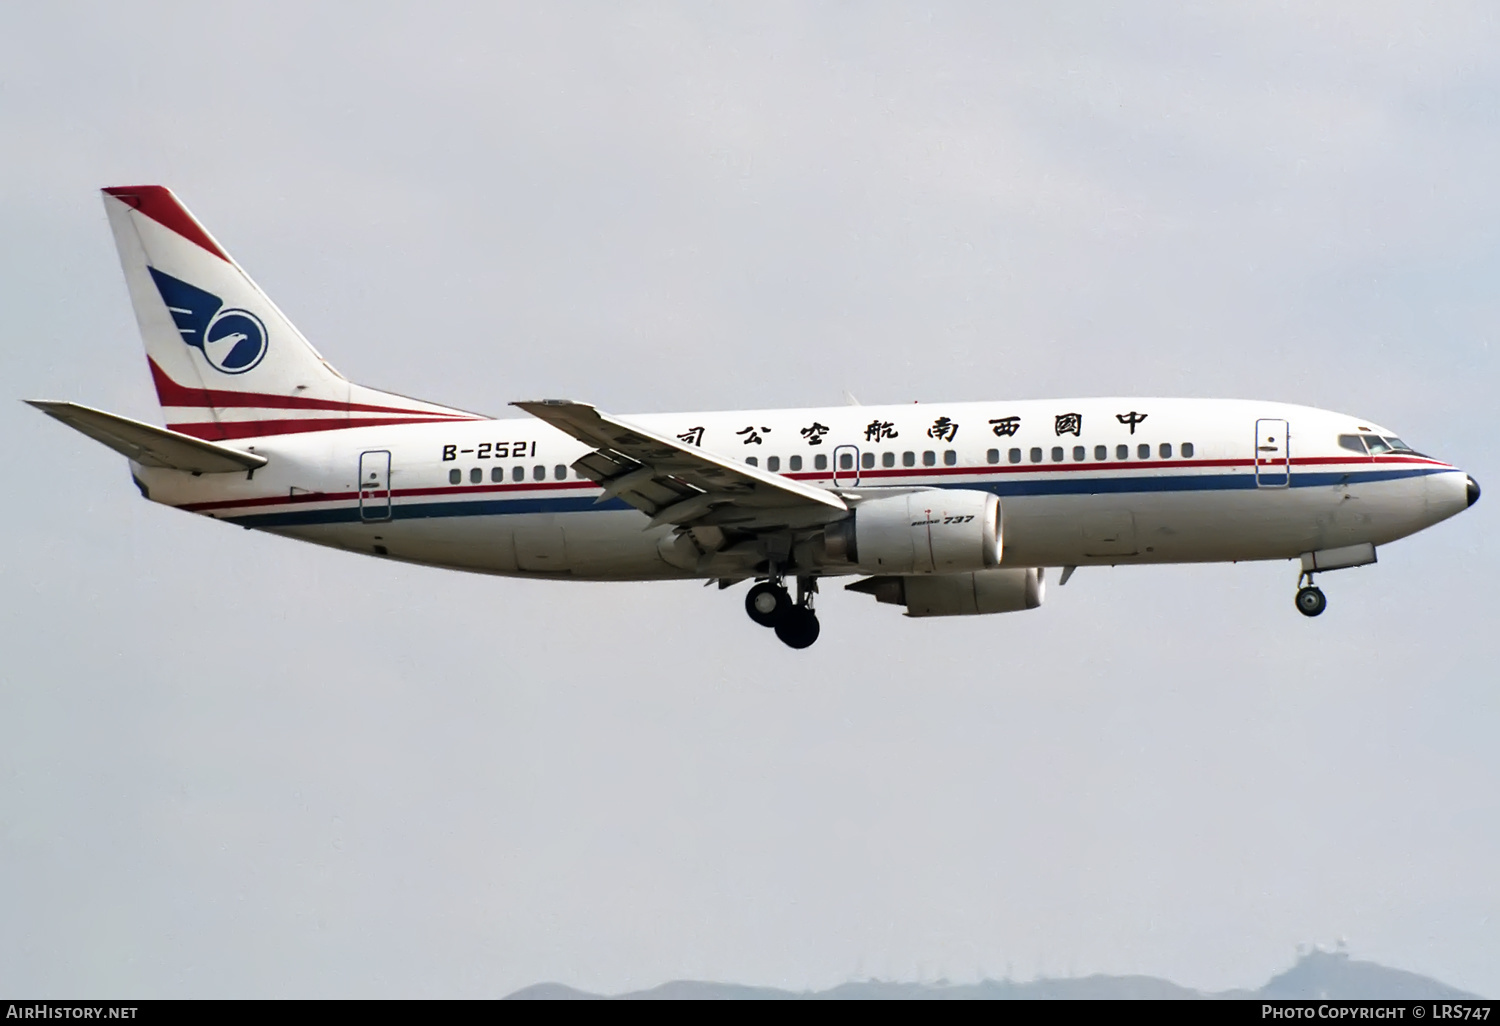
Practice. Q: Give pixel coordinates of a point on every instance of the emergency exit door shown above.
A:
(845, 466)
(1273, 456)
(375, 485)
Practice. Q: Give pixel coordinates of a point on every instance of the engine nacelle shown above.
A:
(934, 531)
(1007, 590)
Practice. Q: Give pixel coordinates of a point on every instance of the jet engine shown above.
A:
(1007, 590)
(933, 531)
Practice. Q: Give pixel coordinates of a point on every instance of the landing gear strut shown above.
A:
(769, 605)
(1310, 598)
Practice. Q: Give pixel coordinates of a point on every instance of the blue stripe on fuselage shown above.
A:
(1001, 488)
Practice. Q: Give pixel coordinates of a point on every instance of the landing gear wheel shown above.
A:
(1311, 601)
(768, 604)
(798, 628)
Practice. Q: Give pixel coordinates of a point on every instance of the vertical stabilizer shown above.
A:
(226, 362)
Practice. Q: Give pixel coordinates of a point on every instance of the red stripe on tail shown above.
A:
(212, 432)
(172, 394)
(158, 203)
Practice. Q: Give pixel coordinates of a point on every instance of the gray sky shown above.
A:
(233, 764)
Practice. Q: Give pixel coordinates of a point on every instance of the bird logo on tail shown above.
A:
(233, 341)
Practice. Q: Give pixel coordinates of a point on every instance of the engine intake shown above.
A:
(1007, 590)
(933, 531)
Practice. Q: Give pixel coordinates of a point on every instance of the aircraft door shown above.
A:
(845, 466)
(375, 486)
(1273, 455)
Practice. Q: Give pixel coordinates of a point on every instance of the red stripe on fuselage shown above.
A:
(533, 486)
(297, 500)
(1055, 468)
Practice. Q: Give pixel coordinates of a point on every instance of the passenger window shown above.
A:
(1015, 456)
(950, 458)
(539, 473)
(867, 460)
(887, 459)
(1187, 450)
(1165, 450)
(497, 474)
(1122, 452)
(560, 472)
(846, 461)
(993, 455)
(1036, 455)
(1101, 453)
(1352, 443)
(518, 473)
(908, 459)
(1143, 451)
(795, 463)
(929, 458)
(1057, 454)
(773, 462)
(455, 476)
(1079, 454)
(476, 475)
(752, 460)
(820, 462)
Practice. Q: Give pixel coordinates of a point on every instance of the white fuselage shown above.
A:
(1080, 482)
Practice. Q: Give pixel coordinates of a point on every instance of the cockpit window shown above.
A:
(1375, 444)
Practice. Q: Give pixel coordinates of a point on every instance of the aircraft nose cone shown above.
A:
(1473, 491)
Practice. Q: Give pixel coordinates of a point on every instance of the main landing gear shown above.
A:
(770, 606)
(1310, 598)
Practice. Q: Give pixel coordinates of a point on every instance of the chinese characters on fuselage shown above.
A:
(1070, 424)
(944, 429)
(814, 434)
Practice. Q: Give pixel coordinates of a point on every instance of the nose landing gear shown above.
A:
(1310, 598)
(769, 605)
(1311, 601)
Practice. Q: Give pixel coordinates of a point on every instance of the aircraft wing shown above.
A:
(148, 444)
(673, 482)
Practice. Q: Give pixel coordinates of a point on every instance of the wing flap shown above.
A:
(148, 444)
(674, 482)
(632, 481)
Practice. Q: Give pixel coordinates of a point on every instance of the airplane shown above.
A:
(945, 509)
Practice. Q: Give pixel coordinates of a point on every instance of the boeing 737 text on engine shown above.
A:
(946, 510)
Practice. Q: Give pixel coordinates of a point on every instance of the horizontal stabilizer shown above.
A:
(148, 444)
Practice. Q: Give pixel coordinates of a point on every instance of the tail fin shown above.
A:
(227, 363)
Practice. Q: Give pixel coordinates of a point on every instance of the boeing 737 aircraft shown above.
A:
(946, 509)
